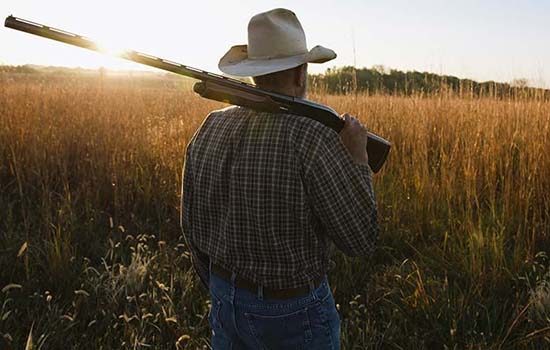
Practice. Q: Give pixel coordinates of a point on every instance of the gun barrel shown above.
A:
(131, 55)
(50, 33)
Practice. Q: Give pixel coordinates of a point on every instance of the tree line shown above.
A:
(380, 80)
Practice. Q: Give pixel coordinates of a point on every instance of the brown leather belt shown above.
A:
(268, 293)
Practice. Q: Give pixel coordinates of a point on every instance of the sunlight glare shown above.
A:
(111, 48)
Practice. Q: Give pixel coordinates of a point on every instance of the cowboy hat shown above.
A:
(276, 42)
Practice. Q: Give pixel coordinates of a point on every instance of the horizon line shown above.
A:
(385, 70)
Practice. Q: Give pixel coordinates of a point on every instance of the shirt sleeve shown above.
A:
(342, 196)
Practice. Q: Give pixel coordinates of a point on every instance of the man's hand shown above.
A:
(354, 137)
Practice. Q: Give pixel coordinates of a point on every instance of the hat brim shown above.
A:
(236, 62)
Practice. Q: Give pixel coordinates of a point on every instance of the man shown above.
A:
(265, 194)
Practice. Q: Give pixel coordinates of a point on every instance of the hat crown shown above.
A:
(276, 42)
(274, 34)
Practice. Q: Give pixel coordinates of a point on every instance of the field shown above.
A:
(91, 253)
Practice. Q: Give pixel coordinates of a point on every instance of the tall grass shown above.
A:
(90, 248)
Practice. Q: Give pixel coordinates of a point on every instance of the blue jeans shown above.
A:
(240, 319)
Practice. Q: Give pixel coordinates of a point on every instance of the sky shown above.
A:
(482, 40)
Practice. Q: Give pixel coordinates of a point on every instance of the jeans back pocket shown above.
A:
(282, 331)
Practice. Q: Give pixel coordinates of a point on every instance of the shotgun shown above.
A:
(216, 87)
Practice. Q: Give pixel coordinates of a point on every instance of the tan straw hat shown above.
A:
(276, 42)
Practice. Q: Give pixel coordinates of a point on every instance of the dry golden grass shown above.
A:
(90, 174)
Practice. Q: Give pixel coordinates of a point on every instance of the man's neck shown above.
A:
(290, 91)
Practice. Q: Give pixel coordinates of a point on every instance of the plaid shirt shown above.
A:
(264, 194)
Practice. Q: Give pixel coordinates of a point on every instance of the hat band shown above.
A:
(269, 57)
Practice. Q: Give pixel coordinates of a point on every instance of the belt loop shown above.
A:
(233, 278)
(260, 292)
(233, 287)
(311, 285)
(210, 267)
